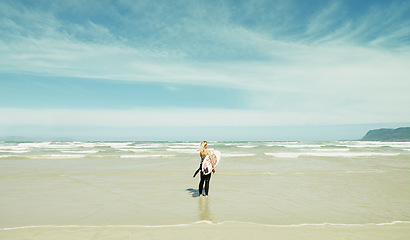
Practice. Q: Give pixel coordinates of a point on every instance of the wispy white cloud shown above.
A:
(377, 27)
(322, 21)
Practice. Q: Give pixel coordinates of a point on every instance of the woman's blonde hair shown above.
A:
(203, 145)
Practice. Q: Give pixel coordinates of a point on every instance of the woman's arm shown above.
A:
(209, 153)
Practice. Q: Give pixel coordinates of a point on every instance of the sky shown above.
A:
(190, 70)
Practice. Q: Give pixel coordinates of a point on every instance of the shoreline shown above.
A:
(225, 230)
(210, 223)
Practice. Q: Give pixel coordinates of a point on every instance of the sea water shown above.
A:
(150, 185)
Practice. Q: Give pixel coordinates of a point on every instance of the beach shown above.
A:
(264, 190)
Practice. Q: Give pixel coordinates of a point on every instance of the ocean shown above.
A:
(146, 190)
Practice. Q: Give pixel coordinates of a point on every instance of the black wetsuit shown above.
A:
(204, 179)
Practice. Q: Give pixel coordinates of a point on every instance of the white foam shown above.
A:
(237, 154)
(184, 146)
(321, 224)
(34, 145)
(196, 145)
(375, 144)
(208, 222)
(16, 148)
(331, 149)
(139, 150)
(114, 144)
(85, 145)
(246, 146)
(350, 154)
(329, 154)
(284, 154)
(13, 151)
(46, 145)
(280, 144)
(58, 146)
(145, 156)
(179, 150)
(80, 151)
(106, 226)
(301, 145)
(57, 156)
(152, 145)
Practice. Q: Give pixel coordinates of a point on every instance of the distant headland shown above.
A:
(389, 135)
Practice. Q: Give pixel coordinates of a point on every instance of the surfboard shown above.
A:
(206, 164)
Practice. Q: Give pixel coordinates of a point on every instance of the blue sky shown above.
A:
(110, 69)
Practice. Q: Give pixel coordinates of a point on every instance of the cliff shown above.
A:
(390, 135)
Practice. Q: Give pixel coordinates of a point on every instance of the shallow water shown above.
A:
(150, 184)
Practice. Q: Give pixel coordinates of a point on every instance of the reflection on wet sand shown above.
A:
(204, 212)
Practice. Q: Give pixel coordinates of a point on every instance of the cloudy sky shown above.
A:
(179, 70)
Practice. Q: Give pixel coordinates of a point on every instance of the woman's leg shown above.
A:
(201, 183)
(207, 180)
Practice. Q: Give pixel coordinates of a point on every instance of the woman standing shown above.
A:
(205, 179)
